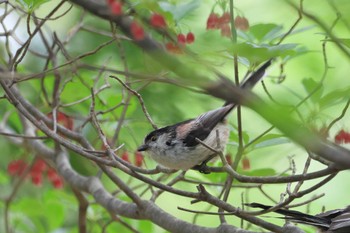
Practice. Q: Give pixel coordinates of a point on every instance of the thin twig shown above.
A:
(139, 97)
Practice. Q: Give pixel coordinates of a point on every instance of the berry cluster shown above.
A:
(182, 40)
(215, 21)
(342, 137)
(222, 23)
(36, 172)
(136, 30)
(185, 39)
(157, 21)
(16, 167)
(138, 158)
(241, 23)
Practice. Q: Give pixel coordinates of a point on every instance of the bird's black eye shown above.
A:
(168, 143)
(153, 138)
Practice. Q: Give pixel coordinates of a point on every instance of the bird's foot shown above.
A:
(202, 168)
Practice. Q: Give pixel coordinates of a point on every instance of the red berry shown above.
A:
(37, 178)
(55, 179)
(226, 30)
(52, 174)
(16, 167)
(125, 157)
(169, 46)
(57, 183)
(342, 137)
(212, 21)
(138, 159)
(39, 165)
(229, 159)
(339, 137)
(12, 168)
(189, 38)
(116, 7)
(137, 31)
(181, 38)
(158, 21)
(246, 163)
(241, 23)
(225, 18)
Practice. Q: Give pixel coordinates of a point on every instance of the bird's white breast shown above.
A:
(183, 158)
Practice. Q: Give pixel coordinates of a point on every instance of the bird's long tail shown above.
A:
(257, 76)
(252, 80)
(296, 216)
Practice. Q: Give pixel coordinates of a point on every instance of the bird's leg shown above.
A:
(203, 167)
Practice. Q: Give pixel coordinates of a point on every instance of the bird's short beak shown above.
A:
(143, 147)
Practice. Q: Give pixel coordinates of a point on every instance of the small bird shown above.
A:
(333, 221)
(177, 146)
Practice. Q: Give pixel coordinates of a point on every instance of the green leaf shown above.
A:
(146, 226)
(260, 172)
(55, 202)
(4, 178)
(334, 97)
(29, 206)
(270, 140)
(262, 32)
(258, 53)
(267, 32)
(233, 140)
(31, 4)
(24, 223)
(313, 88)
(272, 34)
(55, 214)
(296, 31)
(345, 42)
(180, 10)
(210, 42)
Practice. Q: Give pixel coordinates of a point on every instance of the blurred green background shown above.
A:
(44, 209)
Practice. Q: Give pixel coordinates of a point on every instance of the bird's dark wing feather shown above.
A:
(205, 123)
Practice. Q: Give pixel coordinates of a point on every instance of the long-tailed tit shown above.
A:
(177, 146)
